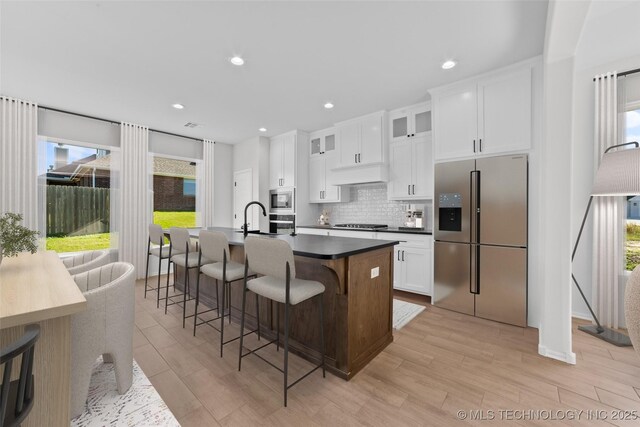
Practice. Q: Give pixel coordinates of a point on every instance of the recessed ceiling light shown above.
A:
(328, 105)
(236, 60)
(262, 129)
(447, 65)
(178, 106)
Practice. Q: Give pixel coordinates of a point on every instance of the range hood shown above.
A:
(360, 174)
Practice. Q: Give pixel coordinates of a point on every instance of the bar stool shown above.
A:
(180, 239)
(215, 246)
(273, 258)
(156, 236)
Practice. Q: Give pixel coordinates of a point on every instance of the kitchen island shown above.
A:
(358, 299)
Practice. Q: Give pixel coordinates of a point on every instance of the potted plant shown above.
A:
(15, 238)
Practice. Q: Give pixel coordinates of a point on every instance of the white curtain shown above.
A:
(135, 201)
(608, 211)
(207, 183)
(19, 159)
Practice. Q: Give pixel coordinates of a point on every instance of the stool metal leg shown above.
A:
(257, 316)
(286, 351)
(322, 348)
(146, 271)
(224, 285)
(244, 303)
(195, 313)
(277, 326)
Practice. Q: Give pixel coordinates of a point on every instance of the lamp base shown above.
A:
(608, 335)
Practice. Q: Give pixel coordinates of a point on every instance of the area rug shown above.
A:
(140, 406)
(404, 312)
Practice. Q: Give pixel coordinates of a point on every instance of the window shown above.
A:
(632, 243)
(78, 196)
(174, 192)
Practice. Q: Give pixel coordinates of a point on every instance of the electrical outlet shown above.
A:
(375, 272)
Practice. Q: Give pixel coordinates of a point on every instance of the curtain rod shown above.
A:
(624, 73)
(116, 123)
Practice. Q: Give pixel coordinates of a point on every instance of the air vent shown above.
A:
(192, 125)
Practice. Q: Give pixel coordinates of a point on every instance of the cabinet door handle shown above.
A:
(474, 145)
(409, 189)
(355, 158)
(359, 160)
(413, 189)
(399, 255)
(481, 145)
(402, 255)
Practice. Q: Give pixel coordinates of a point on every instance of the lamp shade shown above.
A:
(618, 174)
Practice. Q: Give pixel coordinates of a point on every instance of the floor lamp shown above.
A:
(618, 175)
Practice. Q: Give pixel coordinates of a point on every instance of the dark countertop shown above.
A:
(320, 247)
(380, 230)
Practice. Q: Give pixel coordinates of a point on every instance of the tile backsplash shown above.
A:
(369, 205)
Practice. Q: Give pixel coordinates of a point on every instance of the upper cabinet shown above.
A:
(411, 169)
(282, 161)
(409, 122)
(320, 189)
(361, 141)
(487, 116)
(322, 142)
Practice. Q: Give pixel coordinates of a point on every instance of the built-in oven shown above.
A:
(282, 224)
(282, 201)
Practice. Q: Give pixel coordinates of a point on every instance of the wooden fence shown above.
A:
(77, 211)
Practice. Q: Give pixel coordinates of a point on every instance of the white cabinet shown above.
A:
(487, 116)
(313, 231)
(411, 169)
(322, 142)
(320, 191)
(413, 266)
(282, 161)
(409, 122)
(361, 140)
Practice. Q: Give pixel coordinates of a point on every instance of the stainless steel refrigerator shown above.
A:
(480, 230)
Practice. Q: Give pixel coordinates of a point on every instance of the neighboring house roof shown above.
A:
(161, 166)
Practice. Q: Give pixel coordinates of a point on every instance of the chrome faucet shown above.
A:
(264, 213)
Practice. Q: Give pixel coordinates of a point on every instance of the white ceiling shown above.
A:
(131, 61)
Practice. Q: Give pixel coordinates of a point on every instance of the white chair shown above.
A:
(156, 247)
(273, 258)
(104, 328)
(632, 308)
(214, 248)
(86, 261)
(183, 253)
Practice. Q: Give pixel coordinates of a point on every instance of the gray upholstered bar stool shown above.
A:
(181, 242)
(214, 246)
(156, 237)
(273, 258)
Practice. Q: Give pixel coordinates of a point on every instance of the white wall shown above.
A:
(254, 154)
(223, 185)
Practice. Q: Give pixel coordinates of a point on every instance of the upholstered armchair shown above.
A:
(105, 328)
(632, 308)
(86, 261)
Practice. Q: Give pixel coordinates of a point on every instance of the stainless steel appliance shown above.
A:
(360, 226)
(282, 224)
(282, 201)
(480, 252)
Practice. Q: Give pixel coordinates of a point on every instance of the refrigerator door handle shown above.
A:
(475, 207)
(474, 282)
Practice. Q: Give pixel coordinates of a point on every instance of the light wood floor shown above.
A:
(440, 363)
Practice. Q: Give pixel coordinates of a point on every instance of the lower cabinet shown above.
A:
(413, 267)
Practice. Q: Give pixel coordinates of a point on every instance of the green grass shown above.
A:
(90, 242)
(633, 246)
(87, 242)
(174, 219)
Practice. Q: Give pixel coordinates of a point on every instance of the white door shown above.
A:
(456, 125)
(349, 140)
(398, 271)
(400, 170)
(370, 140)
(316, 178)
(422, 168)
(242, 194)
(415, 269)
(275, 163)
(315, 142)
(289, 161)
(504, 121)
(399, 125)
(331, 192)
(420, 121)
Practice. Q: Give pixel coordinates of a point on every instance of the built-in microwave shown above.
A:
(282, 201)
